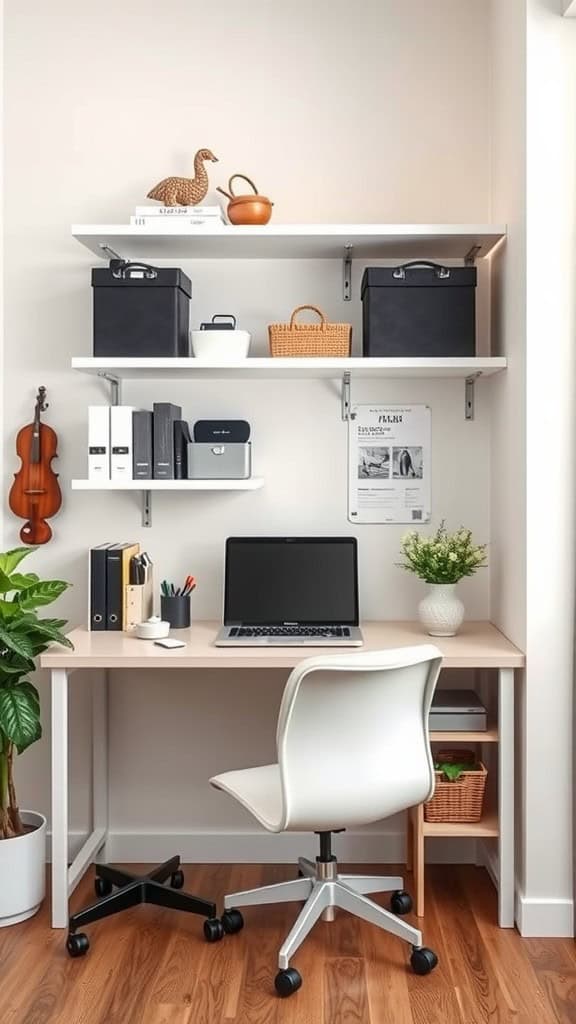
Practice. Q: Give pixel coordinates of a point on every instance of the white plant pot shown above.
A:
(23, 871)
(441, 612)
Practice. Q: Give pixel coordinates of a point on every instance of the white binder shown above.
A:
(121, 442)
(99, 442)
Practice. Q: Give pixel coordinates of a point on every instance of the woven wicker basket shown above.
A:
(461, 800)
(323, 339)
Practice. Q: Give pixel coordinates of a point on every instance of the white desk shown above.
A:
(479, 645)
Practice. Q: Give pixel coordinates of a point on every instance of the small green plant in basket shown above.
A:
(452, 770)
(442, 560)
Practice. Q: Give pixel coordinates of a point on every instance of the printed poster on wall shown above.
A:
(389, 464)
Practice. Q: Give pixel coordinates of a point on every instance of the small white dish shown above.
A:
(153, 628)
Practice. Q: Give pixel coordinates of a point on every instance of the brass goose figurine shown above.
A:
(185, 191)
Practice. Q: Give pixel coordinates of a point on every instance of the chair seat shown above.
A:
(259, 790)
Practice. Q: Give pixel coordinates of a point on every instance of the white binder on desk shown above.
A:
(121, 442)
(99, 442)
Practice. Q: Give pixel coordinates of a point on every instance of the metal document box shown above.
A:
(457, 710)
(219, 461)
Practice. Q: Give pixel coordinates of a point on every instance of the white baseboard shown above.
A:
(268, 848)
(543, 918)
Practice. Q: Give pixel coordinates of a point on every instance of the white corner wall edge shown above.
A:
(569, 8)
(544, 917)
(228, 847)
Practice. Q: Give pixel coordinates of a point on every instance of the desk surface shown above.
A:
(478, 645)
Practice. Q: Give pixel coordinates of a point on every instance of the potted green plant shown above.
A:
(23, 636)
(442, 560)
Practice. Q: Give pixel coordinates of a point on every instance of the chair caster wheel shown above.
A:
(177, 880)
(77, 944)
(102, 887)
(423, 960)
(287, 982)
(232, 921)
(213, 929)
(400, 902)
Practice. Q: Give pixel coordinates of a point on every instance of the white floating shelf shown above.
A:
(291, 241)
(289, 369)
(253, 484)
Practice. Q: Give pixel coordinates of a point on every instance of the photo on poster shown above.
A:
(373, 463)
(389, 467)
(407, 462)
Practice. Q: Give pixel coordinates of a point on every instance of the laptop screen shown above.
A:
(302, 580)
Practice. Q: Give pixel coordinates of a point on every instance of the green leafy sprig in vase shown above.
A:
(442, 560)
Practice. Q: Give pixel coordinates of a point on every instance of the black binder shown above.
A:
(181, 440)
(114, 587)
(165, 413)
(97, 568)
(142, 465)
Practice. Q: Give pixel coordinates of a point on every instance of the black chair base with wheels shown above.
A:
(130, 890)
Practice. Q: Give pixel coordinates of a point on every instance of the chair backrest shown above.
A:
(352, 737)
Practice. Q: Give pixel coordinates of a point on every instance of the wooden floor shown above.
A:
(153, 967)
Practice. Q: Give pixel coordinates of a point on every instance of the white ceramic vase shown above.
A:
(23, 871)
(441, 612)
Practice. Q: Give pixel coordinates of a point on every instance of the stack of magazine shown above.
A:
(177, 217)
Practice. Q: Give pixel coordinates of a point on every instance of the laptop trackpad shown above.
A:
(281, 641)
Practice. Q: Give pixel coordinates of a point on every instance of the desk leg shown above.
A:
(59, 686)
(418, 857)
(506, 797)
(100, 759)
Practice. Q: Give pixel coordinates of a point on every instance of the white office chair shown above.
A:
(353, 748)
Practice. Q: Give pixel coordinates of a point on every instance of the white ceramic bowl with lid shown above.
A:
(220, 343)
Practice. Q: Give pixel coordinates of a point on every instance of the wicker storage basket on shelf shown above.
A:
(323, 339)
(460, 800)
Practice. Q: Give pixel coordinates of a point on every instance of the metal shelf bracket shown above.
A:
(347, 273)
(108, 252)
(470, 257)
(146, 508)
(469, 395)
(346, 399)
(115, 386)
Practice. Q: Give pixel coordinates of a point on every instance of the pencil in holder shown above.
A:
(176, 610)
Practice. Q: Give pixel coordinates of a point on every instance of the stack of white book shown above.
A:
(177, 217)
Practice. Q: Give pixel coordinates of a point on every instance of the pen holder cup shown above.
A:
(176, 611)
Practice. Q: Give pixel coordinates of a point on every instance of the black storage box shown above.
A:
(419, 309)
(141, 310)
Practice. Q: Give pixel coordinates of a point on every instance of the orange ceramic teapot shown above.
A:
(247, 209)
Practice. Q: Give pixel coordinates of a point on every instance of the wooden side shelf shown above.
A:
(489, 735)
(485, 828)
(417, 829)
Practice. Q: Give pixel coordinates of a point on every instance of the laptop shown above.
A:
(291, 592)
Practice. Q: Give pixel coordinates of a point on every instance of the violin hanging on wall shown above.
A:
(35, 494)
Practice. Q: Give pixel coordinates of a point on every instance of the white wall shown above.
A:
(534, 181)
(551, 479)
(508, 391)
(369, 112)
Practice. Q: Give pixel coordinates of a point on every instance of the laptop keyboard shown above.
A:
(329, 631)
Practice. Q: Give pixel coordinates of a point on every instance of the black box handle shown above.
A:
(123, 270)
(212, 326)
(400, 272)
